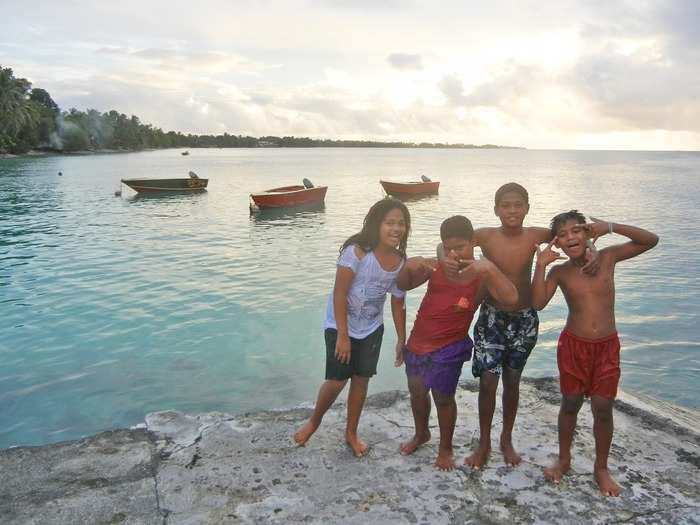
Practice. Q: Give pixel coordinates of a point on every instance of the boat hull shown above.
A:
(163, 185)
(410, 188)
(289, 196)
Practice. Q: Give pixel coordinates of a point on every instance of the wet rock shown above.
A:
(217, 468)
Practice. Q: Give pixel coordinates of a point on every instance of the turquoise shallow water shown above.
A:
(113, 307)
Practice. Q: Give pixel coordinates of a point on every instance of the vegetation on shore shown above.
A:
(31, 120)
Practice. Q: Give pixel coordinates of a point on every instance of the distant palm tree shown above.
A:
(16, 111)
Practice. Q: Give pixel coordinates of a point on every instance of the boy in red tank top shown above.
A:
(439, 343)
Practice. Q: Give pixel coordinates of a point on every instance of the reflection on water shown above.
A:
(114, 307)
(164, 196)
(407, 197)
(304, 211)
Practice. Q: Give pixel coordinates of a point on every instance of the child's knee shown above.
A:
(416, 386)
(359, 381)
(488, 382)
(570, 405)
(443, 400)
(511, 378)
(336, 383)
(602, 408)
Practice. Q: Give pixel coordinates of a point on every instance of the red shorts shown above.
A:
(588, 366)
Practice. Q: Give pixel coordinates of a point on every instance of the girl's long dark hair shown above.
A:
(368, 237)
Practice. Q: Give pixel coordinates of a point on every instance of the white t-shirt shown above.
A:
(367, 293)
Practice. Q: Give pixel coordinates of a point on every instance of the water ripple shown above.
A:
(114, 307)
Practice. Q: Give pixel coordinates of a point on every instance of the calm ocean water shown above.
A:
(113, 307)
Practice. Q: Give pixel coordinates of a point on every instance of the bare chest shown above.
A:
(512, 256)
(579, 286)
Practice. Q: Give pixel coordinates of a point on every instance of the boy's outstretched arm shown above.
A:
(398, 312)
(415, 272)
(494, 281)
(543, 290)
(542, 235)
(640, 240)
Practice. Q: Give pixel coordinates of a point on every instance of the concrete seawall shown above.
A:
(218, 468)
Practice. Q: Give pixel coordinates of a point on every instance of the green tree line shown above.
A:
(30, 119)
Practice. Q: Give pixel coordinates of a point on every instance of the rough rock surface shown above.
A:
(217, 468)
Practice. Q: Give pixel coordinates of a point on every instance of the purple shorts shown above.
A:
(440, 369)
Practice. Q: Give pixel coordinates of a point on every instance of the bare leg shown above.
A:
(511, 397)
(603, 433)
(356, 400)
(488, 384)
(447, 417)
(327, 395)
(568, 413)
(420, 406)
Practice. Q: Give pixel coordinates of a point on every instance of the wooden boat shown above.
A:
(288, 196)
(160, 185)
(410, 188)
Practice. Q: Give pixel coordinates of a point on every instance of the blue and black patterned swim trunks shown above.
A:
(503, 338)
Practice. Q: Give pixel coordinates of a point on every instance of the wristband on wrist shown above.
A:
(610, 227)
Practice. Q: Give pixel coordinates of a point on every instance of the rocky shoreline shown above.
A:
(219, 468)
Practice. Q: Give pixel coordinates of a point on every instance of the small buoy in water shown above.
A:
(118, 193)
(60, 174)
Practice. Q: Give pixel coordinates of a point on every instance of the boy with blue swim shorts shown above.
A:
(439, 343)
(505, 334)
(503, 338)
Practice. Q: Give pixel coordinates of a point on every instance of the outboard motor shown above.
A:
(307, 184)
(193, 175)
(425, 178)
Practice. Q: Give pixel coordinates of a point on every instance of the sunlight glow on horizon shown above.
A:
(552, 75)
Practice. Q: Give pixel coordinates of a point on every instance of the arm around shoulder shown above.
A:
(499, 286)
(542, 235)
(415, 272)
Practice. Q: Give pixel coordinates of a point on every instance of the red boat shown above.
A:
(288, 196)
(410, 188)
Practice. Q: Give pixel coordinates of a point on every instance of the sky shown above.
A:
(595, 74)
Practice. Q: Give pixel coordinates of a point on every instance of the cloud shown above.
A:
(639, 91)
(640, 70)
(498, 72)
(405, 61)
(512, 82)
(453, 89)
(202, 61)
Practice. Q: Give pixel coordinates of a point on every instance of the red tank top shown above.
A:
(445, 313)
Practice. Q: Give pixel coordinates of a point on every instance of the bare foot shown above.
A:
(557, 470)
(359, 447)
(606, 484)
(510, 456)
(445, 459)
(302, 435)
(479, 457)
(409, 447)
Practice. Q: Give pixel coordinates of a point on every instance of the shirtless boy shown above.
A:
(588, 353)
(439, 343)
(505, 334)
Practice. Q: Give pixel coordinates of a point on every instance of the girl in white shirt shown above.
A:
(367, 268)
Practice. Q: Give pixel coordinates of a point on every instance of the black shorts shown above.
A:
(364, 355)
